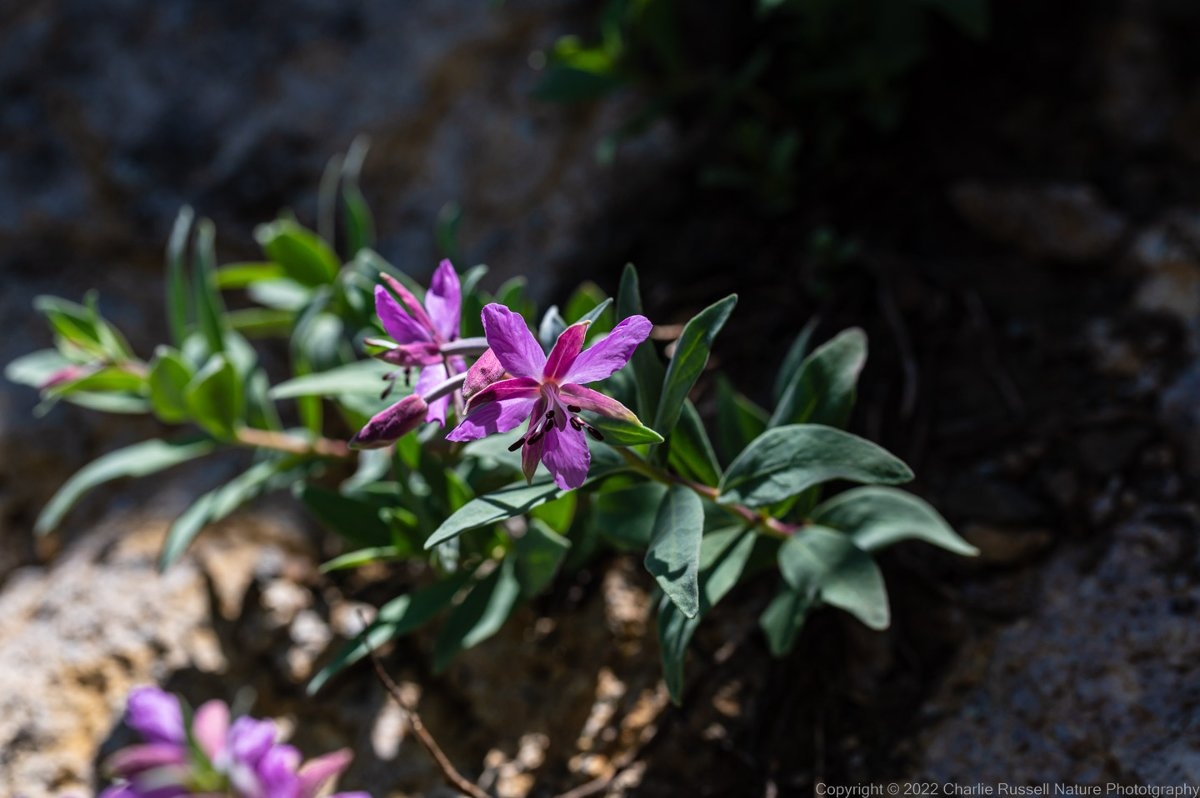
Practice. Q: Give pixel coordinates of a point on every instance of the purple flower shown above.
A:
(242, 758)
(549, 391)
(421, 331)
(392, 424)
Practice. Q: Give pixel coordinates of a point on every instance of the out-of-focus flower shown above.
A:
(213, 758)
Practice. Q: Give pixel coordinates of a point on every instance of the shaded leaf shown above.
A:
(480, 615)
(673, 558)
(876, 517)
(822, 391)
(691, 355)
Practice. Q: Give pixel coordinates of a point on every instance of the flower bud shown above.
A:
(483, 372)
(392, 424)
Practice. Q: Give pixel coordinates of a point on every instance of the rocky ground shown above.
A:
(1028, 268)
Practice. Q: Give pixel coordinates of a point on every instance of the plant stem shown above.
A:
(753, 517)
(282, 442)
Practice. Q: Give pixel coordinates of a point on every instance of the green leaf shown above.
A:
(106, 380)
(625, 516)
(784, 461)
(876, 517)
(243, 275)
(210, 309)
(496, 506)
(360, 378)
(304, 256)
(178, 304)
(739, 421)
(723, 557)
(783, 618)
(824, 563)
(619, 432)
(359, 223)
(215, 399)
(357, 519)
(691, 451)
(220, 502)
(480, 615)
(397, 618)
(169, 378)
(139, 460)
(36, 367)
(551, 327)
(691, 355)
(673, 558)
(261, 322)
(823, 390)
(540, 552)
(647, 368)
(361, 557)
(557, 513)
(793, 360)
(107, 402)
(282, 294)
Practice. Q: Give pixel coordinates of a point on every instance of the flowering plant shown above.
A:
(212, 756)
(628, 458)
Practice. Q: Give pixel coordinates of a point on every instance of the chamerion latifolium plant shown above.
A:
(504, 447)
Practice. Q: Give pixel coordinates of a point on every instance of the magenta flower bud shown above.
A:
(483, 372)
(392, 424)
(64, 375)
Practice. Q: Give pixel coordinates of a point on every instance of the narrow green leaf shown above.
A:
(210, 309)
(169, 378)
(360, 557)
(647, 368)
(178, 304)
(362, 378)
(220, 502)
(358, 519)
(619, 432)
(824, 563)
(261, 322)
(673, 558)
(215, 399)
(783, 619)
(793, 360)
(499, 505)
(397, 618)
(304, 256)
(281, 294)
(723, 557)
(480, 615)
(822, 391)
(876, 517)
(739, 421)
(539, 554)
(557, 513)
(36, 367)
(787, 460)
(139, 460)
(691, 355)
(243, 275)
(552, 326)
(691, 452)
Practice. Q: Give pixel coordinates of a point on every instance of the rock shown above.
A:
(1179, 409)
(1137, 102)
(1095, 685)
(1066, 222)
(1169, 254)
(1006, 546)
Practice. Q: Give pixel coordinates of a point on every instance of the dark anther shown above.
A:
(576, 423)
(573, 408)
(595, 433)
(390, 379)
(537, 436)
(549, 414)
(517, 444)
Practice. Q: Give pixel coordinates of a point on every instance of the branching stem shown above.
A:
(289, 444)
(753, 517)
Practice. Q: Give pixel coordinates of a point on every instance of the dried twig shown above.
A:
(455, 779)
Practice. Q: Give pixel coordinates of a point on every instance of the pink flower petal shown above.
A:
(156, 715)
(443, 300)
(512, 343)
(531, 451)
(210, 726)
(316, 773)
(135, 759)
(609, 353)
(595, 401)
(566, 455)
(483, 372)
(566, 349)
(414, 307)
(403, 328)
(500, 407)
(431, 377)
